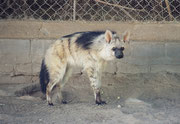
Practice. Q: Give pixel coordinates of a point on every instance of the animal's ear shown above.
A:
(126, 36)
(108, 36)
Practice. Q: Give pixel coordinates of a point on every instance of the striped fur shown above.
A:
(90, 50)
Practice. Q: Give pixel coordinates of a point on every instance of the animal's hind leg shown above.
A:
(50, 86)
(63, 82)
(55, 76)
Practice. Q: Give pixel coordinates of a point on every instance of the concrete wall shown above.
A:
(153, 47)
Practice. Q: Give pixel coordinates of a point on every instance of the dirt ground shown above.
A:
(131, 99)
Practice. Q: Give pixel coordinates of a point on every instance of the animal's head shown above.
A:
(114, 46)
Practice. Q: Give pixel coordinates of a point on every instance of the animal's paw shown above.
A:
(101, 102)
(64, 102)
(50, 104)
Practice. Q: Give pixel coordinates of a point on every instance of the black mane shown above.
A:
(85, 40)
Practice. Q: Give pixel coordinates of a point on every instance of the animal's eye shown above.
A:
(122, 48)
(114, 48)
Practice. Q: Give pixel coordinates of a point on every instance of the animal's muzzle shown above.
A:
(119, 53)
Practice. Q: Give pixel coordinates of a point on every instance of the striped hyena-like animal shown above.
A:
(90, 50)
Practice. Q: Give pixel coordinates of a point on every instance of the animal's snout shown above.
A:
(122, 48)
(119, 53)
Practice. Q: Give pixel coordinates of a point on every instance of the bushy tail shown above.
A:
(44, 77)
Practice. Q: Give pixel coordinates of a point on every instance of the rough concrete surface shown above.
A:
(131, 99)
(21, 59)
(31, 29)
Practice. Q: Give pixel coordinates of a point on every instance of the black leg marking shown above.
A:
(101, 103)
(50, 104)
(98, 99)
(64, 102)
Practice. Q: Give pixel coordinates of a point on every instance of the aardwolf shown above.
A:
(90, 50)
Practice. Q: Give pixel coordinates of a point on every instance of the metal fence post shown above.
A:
(74, 10)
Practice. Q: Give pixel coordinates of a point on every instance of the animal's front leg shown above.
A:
(95, 79)
(98, 98)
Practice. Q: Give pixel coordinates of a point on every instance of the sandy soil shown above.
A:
(131, 99)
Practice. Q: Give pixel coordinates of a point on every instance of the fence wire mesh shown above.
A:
(91, 10)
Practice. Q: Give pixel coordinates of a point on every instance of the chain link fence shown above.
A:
(91, 10)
